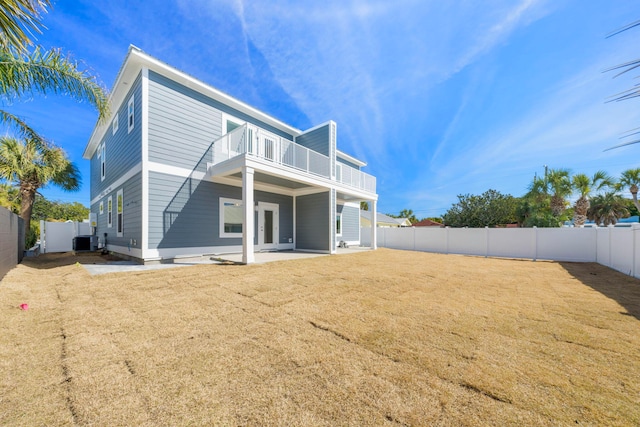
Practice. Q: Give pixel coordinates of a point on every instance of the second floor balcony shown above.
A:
(256, 142)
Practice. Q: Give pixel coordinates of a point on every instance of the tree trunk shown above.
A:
(27, 198)
(634, 192)
(580, 211)
(557, 205)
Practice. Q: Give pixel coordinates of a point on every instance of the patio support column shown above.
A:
(374, 225)
(248, 256)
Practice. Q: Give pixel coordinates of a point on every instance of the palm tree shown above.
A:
(585, 186)
(29, 165)
(45, 72)
(607, 208)
(631, 178)
(17, 19)
(559, 185)
(9, 198)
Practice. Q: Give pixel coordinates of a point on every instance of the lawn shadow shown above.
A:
(62, 259)
(625, 290)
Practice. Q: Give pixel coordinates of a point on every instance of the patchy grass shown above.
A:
(376, 338)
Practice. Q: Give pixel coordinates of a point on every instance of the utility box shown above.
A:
(85, 243)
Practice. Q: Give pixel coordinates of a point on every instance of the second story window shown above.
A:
(131, 113)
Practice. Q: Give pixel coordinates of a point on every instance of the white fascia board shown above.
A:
(136, 60)
(351, 159)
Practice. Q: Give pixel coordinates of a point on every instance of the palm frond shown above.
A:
(621, 29)
(623, 145)
(18, 124)
(19, 19)
(49, 72)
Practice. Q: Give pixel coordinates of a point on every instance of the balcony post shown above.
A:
(248, 256)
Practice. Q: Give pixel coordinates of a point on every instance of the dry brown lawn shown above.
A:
(376, 338)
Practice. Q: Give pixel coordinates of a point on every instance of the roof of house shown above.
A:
(137, 60)
(382, 218)
(427, 223)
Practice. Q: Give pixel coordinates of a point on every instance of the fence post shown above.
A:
(447, 240)
(486, 238)
(414, 237)
(634, 228)
(609, 228)
(535, 243)
(43, 242)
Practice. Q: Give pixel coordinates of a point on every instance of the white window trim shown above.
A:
(114, 124)
(223, 234)
(109, 212)
(229, 117)
(131, 113)
(119, 219)
(339, 232)
(101, 207)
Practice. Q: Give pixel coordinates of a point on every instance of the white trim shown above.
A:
(144, 102)
(176, 171)
(223, 234)
(131, 113)
(196, 251)
(118, 183)
(125, 250)
(119, 215)
(350, 204)
(109, 212)
(351, 159)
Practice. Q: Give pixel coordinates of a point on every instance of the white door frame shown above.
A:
(275, 208)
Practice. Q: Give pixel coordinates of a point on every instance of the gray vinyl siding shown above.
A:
(350, 223)
(348, 163)
(184, 212)
(124, 149)
(316, 140)
(184, 123)
(132, 214)
(313, 222)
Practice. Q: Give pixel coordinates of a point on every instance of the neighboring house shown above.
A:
(427, 223)
(383, 220)
(182, 169)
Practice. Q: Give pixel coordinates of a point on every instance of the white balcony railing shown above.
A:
(254, 141)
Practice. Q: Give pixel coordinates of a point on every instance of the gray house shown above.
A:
(182, 170)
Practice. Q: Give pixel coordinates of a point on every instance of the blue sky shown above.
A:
(440, 98)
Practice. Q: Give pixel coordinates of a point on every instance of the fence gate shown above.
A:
(58, 236)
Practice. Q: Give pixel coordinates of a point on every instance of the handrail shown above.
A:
(254, 141)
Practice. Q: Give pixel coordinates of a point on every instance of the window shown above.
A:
(101, 207)
(338, 224)
(109, 212)
(102, 156)
(119, 211)
(131, 113)
(114, 125)
(231, 214)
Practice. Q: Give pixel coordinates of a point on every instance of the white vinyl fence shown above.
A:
(58, 236)
(615, 247)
